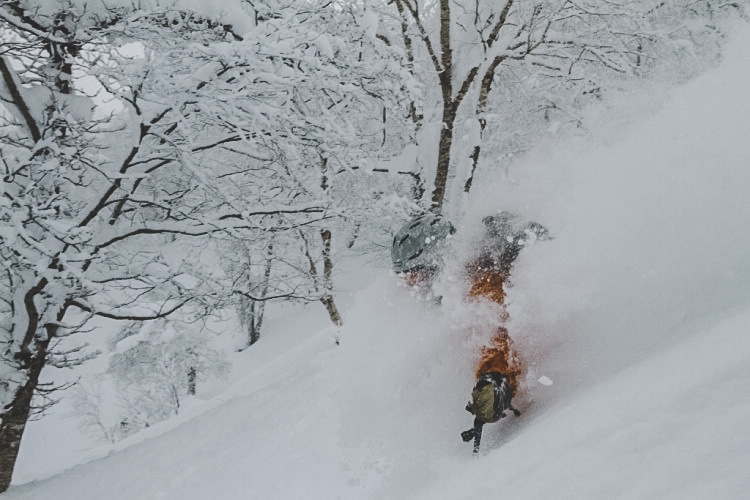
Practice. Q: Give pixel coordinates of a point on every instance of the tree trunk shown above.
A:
(192, 377)
(252, 311)
(484, 92)
(445, 76)
(333, 311)
(444, 157)
(327, 299)
(254, 322)
(15, 415)
(253, 326)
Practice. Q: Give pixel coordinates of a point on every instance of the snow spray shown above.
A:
(498, 355)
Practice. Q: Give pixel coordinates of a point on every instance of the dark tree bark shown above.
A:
(14, 416)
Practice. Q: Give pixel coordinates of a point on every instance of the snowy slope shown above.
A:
(639, 311)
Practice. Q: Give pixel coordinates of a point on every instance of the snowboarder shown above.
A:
(505, 235)
(417, 249)
(490, 398)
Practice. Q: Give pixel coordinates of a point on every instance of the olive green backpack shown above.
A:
(483, 405)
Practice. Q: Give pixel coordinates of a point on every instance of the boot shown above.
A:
(477, 438)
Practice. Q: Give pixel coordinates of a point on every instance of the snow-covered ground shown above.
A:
(638, 312)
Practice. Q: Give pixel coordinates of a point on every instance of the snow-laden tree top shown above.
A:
(231, 12)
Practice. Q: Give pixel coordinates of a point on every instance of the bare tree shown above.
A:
(72, 220)
(467, 45)
(209, 137)
(95, 206)
(342, 107)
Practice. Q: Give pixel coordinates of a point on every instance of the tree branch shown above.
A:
(27, 24)
(18, 100)
(128, 317)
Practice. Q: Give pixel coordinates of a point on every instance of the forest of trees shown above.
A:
(162, 162)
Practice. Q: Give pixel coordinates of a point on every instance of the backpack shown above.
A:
(491, 397)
